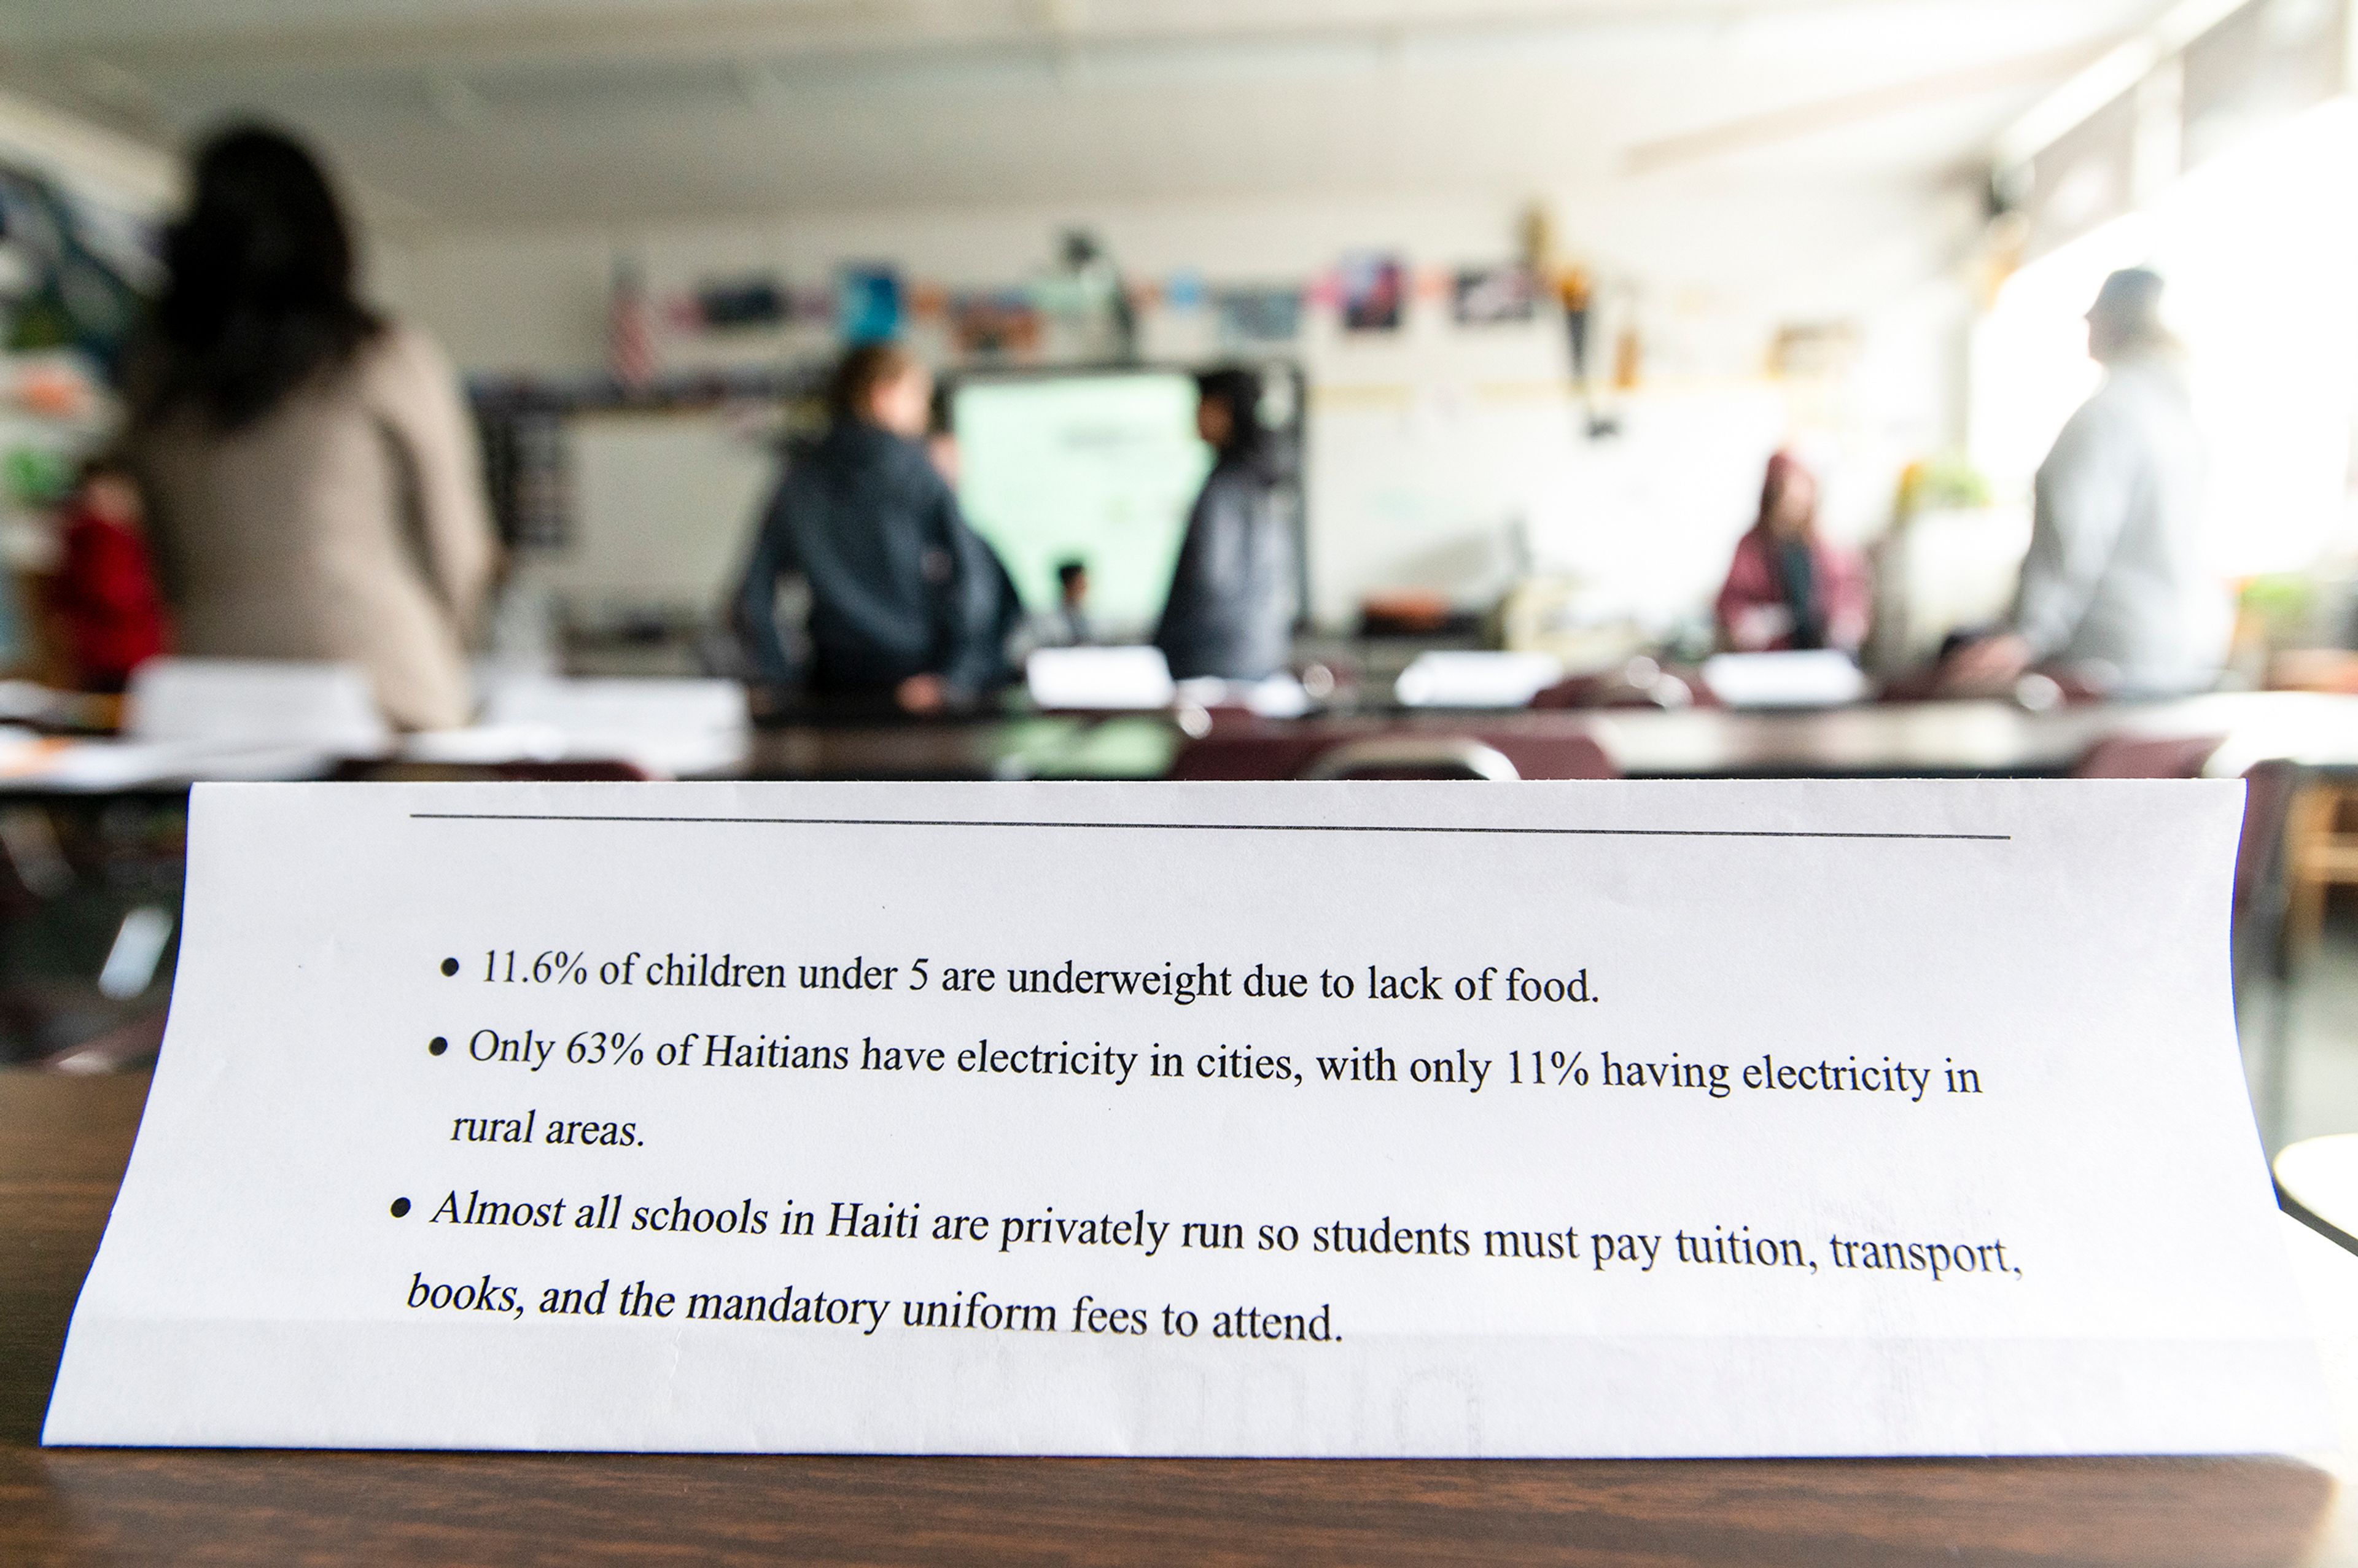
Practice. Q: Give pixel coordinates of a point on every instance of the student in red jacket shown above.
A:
(108, 615)
(1787, 587)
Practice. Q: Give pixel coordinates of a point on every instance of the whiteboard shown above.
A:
(663, 506)
(1099, 468)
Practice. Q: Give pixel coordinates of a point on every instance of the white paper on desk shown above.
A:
(2065, 943)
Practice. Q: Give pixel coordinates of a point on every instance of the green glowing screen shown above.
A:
(1101, 468)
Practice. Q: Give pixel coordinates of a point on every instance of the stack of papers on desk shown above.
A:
(247, 704)
(673, 727)
(1138, 680)
(1467, 679)
(1815, 678)
(246, 720)
(1100, 679)
(191, 720)
(30, 762)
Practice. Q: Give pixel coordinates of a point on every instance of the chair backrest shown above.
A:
(1552, 756)
(1478, 751)
(1413, 756)
(1641, 683)
(587, 769)
(2147, 757)
(329, 708)
(2269, 790)
(1244, 748)
(127, 1047)
(1249, 749)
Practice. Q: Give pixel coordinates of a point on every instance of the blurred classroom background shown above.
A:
(1594, 389)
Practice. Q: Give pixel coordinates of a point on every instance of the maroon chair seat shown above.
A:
(1243, 750)
(2147, 757)
(1249, 749)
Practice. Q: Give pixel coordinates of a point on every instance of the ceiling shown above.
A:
(467, 113)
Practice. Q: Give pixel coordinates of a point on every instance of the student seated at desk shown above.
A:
(1232, 591)
(1788, 587)
(905, 598)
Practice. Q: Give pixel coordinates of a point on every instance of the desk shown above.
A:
(1931, 738)
(1922, 739)
(1050, 746)
(1925, 739)
(62, 1145)
(2316, 1180)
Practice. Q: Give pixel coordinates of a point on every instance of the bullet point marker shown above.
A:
(449, 966)
(400, 1208)
(437, 1046)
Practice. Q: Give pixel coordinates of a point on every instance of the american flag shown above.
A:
(629, 328)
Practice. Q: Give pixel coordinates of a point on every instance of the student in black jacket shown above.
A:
(905, 598)
(1231, 606)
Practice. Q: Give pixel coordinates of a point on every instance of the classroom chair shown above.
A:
(1641, 683)
(126, 1048)
(2321, 852)
(1244, 749)
(2147, 757)
(2259, 931)
(1412, 757)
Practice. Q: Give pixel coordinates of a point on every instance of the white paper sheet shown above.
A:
(1816, 677)
(1473, 678)
(1108, 679)
(316, 706)
(1610, 1012)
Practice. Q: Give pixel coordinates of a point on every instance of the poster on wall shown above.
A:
(733, 304)
(992, 323)
(1492, 296)
(1373, 287)
(1258, 315)
(868, 303)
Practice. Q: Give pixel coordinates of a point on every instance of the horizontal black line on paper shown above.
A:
(1211, 827)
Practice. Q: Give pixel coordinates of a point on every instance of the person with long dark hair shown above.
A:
(311, 476)
(1789, 587)
(1231, 606)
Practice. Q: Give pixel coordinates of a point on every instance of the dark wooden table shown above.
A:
(63, 1142)
(1914, 740)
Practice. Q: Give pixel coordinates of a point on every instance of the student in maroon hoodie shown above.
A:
(1789, 588)
(108, 615)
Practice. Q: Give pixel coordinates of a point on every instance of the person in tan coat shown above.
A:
(311, 476)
